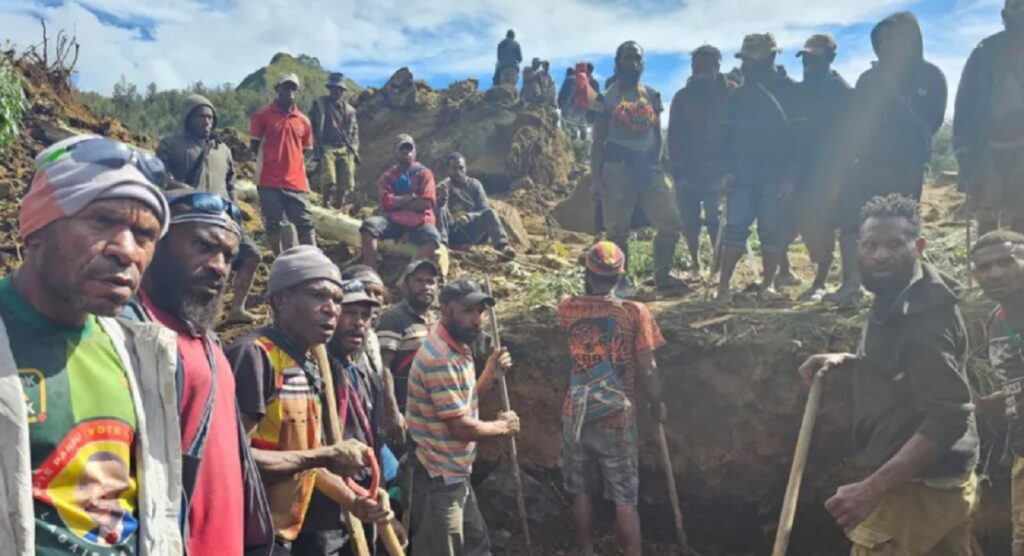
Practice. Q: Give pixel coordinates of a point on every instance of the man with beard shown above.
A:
(464, 213)
(998, 259)
(626, 166)
(182, 291)
(402, 330)
(914, 420)
(612, 344)
(198, 158)
(280, 394)
(90, 223)
(759, 161)
(898, 106)
(359, 394)
(444, 420)
(823, 103)
(694, 138)
(988, 125)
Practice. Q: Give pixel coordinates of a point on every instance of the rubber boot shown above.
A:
(625, 287)
(850, 291)
(664, 257)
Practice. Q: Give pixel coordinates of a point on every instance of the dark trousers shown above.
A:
(473, 228)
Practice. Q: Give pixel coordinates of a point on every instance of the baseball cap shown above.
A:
(288, 77)
(818, 45)
(404, 139)
(465, 292)
(758, 46)
(606, 259)
(336, 80)
(354, 291)
(416, 265)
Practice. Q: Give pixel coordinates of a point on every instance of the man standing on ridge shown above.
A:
(336, 134)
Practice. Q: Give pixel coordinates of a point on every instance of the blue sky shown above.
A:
(176, 42)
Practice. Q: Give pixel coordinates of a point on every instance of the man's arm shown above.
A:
(651, 383)
(480, 197)
(597, 150)
(965, 121)
(277, 463)
(467, 429)
(392, 413)
(316, 121)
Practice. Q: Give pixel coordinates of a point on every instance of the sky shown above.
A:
(174, 43)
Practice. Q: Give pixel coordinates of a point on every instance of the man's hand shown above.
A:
(395, 427)
(511, 422)
(823, 363)
(369, 510)
(498, 363)
(992, 404)
(346, 458)
(853, 503)
(786, 190)
(400, 532)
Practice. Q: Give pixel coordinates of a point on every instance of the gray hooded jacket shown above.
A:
(183, 155)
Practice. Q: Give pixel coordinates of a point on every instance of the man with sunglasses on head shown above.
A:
(197, 157)
(182, 291)
(81, 391)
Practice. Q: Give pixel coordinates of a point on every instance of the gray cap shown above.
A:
(301, 264)
(416, 265)
(404, 139)
(465, 292)
(759, 46)
(354, 291)
(288, 77)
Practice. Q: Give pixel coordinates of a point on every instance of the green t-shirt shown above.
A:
(81, 430)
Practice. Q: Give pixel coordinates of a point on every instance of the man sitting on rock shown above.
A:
(466, 217)
(407, 195)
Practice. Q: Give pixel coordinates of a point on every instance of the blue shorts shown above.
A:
(747, 203)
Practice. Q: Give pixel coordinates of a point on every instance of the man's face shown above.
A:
(999, 270)
(335, 93)
(457, 170)
(757, 69)
(1013, 16)
(887, 252)
(310, 311)
(630, 62)
(893, 47)
(816, 65)
(352, 326)
(287, 93)
(421, 288)
(705, 68)
(465, 324)
(102, 482)
(95, 260)
(190, 271)
(200, 121)
(406, 154)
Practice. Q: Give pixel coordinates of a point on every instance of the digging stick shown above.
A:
(796, 472)
(513, 448)
(673, 494)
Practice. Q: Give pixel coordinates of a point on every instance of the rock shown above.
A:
(513, 222)
(459, 91)
(502, 95)
(577, 212)
(400, 91)
(524, 183)
(496, 496)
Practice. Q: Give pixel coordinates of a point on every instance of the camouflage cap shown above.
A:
(758, 46)
(819, 45)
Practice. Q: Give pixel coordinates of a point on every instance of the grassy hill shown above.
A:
(311, 74)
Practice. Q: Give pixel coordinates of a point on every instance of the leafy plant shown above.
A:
(12, 103)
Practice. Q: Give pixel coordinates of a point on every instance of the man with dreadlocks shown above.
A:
(626, 166)
(915, 425)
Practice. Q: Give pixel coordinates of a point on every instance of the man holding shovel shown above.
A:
(914, 420)
(612, 344)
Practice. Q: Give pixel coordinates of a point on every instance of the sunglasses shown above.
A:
(112, 154)
(209, 203)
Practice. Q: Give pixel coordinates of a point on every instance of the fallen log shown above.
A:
(334, 225)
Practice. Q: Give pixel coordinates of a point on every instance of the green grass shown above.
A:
(12, 103)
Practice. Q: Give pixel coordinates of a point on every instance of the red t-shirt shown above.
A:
(215, 518)
(417, 180)
(283, 137)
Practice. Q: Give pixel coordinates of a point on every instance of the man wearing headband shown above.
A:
(91, 459)
(182, 291)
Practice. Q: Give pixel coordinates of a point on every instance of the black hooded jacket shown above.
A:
(897, 111)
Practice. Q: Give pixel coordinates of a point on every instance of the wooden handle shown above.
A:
(796, 472)
(673, 494)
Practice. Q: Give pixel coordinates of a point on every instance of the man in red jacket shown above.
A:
(407, 197)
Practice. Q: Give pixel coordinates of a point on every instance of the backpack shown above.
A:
(597, 392)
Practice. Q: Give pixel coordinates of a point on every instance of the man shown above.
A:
(898, 106)
(565, 92)
(359, 394)
(823, 102)
(444, 420)
(547, 85)
(612, 344)
(626, 166)
(758, 161)
(282, 135)
(374, 287)
(532, 91)
(182, 291)
(466, 218)
(336, 134)
(280, 394)
(694, 138)
(407, 197)
(914, 420)
(402, 330)
(998, 260)
(76, 383)
(198, 158)
(988, 125)
(510, 55)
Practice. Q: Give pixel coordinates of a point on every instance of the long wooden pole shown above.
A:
(796, 472)
(506, 405)
(673, 494)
